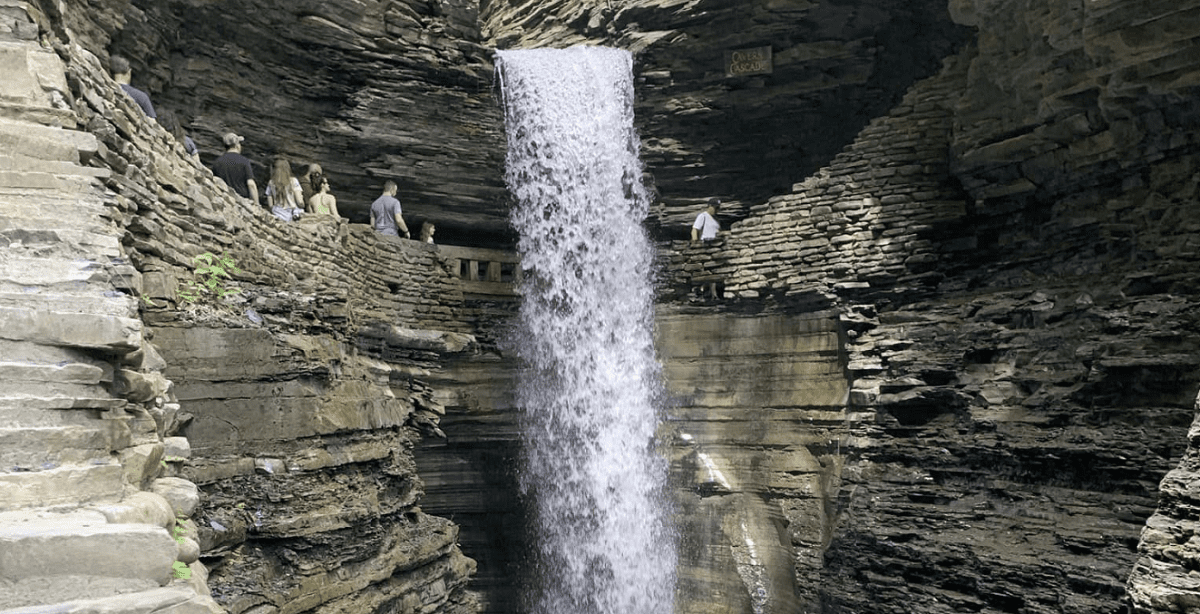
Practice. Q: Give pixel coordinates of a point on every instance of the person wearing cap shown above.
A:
(234, 168)
(706, 226)
(123, 74)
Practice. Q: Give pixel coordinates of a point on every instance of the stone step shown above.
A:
(84, 544)
(44, 354)
(65, 485)
(47, 143)
(35, 180)
(62, 598)
(38, 411)
(63, 372)
(91, 298)
(46, 447)
(41, 114)
(111, 302)
(44, 212)
(43, 239)
(21, 389)
(24, 271)
(32, 192)
(44, 595)
(41, 201)
(40, 590)
(95, 240)
(17, 162)
(78, 330)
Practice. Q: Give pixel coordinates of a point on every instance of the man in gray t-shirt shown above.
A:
(385, 212)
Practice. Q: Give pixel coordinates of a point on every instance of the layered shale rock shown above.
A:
(87, 522)
(710, 128)
(292, 403)
(1021, 344)
(405, 90)
(370, 91)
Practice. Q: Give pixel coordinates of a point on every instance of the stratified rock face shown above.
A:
(744, 137)
(297, 371)
(1020, 315)
(756, 435)
(1006, 251)
(370, 91)
(404, 90)
(1163, 579)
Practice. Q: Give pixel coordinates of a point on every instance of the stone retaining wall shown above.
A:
(881, 215)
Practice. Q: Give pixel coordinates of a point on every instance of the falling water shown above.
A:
(591, 379)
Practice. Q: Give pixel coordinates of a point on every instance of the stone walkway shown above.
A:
(78, 399)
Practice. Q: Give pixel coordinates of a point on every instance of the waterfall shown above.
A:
(590, 378)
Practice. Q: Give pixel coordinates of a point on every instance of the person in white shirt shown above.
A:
(706, 226)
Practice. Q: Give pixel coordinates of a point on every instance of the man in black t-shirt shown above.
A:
(234, 168)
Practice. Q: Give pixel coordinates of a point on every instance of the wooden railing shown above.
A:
(484, 273)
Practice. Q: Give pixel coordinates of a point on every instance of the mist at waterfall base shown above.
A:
(590, 381)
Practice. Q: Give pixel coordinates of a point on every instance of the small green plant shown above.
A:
(210, 278)
(149, 302)
(181, 570)
(179, 532)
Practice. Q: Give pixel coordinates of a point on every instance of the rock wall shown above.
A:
(294, 403)
(371, 91)
(1020, 317)
(89, 518)
(404, 90)
(706, 133)
(755, 434)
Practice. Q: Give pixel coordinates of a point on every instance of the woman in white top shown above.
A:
(283, 192)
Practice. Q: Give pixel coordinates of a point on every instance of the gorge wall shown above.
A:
(288, 411)
(1020, 334)
(954, 356)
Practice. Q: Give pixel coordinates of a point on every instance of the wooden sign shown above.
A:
(742, 62)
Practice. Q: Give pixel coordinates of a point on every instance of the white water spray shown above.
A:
(591, 381)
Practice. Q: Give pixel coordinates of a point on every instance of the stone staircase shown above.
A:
(76, 532)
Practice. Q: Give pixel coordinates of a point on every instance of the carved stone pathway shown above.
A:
(76, 530)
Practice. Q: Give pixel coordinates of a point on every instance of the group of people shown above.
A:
(288, 197)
